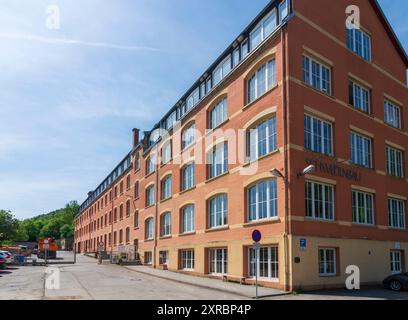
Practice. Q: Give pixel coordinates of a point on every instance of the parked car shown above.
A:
(2, 263)
(397, 282)
(7, 256)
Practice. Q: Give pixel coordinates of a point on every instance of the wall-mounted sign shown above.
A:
(334, 170)
(303, 244)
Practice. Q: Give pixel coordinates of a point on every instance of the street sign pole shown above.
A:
(256, 236)
(256, 270)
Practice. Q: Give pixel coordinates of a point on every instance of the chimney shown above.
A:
(135, 137)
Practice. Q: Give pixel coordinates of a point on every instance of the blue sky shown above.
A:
(67, 108)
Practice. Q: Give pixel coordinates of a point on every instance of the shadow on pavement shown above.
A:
(5, 272)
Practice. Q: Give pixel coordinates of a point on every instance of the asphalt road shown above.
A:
(88, 281)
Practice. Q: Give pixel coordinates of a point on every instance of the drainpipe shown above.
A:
(285, 138)
(156, 209)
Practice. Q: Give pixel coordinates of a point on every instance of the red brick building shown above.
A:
(297, 88)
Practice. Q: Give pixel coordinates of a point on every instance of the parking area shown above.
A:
(86, 280)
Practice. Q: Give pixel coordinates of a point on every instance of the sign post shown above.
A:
(256, 237)
(46, 247)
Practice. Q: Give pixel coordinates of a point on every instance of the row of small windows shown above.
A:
(318, 137)
(319, 203)
(265, 78)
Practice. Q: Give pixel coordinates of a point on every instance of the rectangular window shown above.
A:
(150, 196)
(327, 262)
(262, 139)
(363, 207)
(218, 114)
(165, 224)
(392, 114)
(149, 229)
(359, 97)
(136, 220)
(395, 162)
(218, 211)
(316, 75)
(396, 262)
(361, 150)
(235, 58)
(151, 164)
(187, 219)
(218, 261)
(166, 188)
(283, 10)
(319, 201)
(262, 81)
(188, 136)
(193, 99)
(148, 258)
(263, 200)
(222, 70)
(318, 135)
(187, 259)
(166, 153)
(163, 258)
(218, 160)
(396, 213)
(188, 177)
(268, 265)
(359, 42)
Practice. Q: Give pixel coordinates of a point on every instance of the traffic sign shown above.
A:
(101, 245)
(46, 246)
(256, 236)
(303, 244)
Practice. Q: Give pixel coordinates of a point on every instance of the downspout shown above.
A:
(156, 209)
(286, 161)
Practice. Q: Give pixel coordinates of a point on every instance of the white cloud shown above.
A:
(62, 41)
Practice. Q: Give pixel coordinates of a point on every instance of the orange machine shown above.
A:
(48, 245)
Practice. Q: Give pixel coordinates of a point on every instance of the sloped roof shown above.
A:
(390, 30)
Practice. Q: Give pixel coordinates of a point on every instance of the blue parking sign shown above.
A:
(303, 244)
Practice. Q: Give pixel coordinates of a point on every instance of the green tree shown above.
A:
(9, 227)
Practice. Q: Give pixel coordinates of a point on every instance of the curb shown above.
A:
(203, 286)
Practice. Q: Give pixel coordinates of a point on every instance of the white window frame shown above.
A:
(396, 261)
(218, 114)
(270, 214)
(149, 232)
(187, 260)
(396, 154)
(166, 185)
(364, 206)
(281, 5)
(325, 262)
(166, 152)
(392, 113)
(165, 224)
(253, 142)
(396, 213)
(150, 196)
(188, 136)
(214, 261)
(148, 257)
(263, 29)
(188, 176)
(217, 160)
(268, 86)
(359, 48)
(321, 66)
(188, 225)
(361, 91)
(321, 123)
(221, 210)
(151, 164)
(324, 200)
(273, 265)
(354, 136)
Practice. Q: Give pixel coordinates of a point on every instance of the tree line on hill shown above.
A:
(58, 224)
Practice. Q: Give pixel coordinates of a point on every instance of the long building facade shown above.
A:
(296, 90)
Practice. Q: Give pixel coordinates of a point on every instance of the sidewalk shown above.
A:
(247, 291)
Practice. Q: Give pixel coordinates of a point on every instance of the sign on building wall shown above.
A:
(334, 170)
